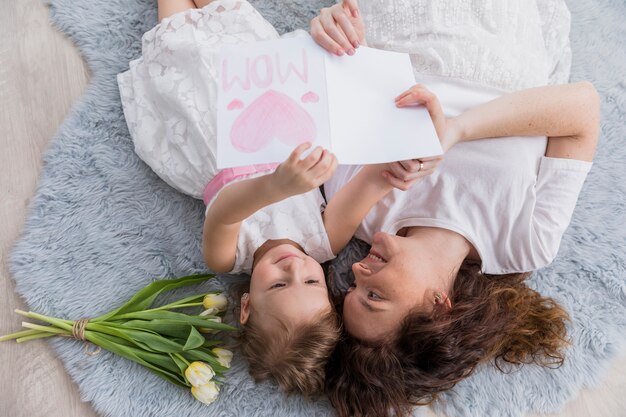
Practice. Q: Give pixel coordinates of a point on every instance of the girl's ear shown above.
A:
(244, 311)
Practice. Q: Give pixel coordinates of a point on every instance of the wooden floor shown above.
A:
(41, 75)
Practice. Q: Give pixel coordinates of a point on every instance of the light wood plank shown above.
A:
(41, 75)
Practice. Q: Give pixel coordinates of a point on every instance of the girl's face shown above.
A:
(398, 276)
(286, 283)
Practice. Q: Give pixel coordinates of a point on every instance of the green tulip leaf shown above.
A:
(182, 365)
(211, 343)
(146, 296)
(129, 353)
(161, 360)
(144, 339)
(173, 328)
(194, 340)
(171, 315)
(200, 355)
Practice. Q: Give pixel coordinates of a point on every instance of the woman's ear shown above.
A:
(441, 299)
(244, 311)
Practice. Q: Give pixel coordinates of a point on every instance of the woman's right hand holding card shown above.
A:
(339, 29)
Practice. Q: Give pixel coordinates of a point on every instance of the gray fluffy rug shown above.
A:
(102, 225)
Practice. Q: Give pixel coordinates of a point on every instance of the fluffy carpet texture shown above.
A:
(102, 225)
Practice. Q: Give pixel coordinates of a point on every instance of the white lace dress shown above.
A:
(169, 94)
(507, 44)
(169, 97)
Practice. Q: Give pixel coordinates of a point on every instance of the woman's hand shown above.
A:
(403, 174)
(447, 130)
(298, 176)
(339, 29)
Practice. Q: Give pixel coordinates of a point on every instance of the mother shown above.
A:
(442, 288)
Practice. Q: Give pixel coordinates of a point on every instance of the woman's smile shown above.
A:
(375, 257)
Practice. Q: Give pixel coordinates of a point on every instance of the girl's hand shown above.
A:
(339, 29)
(298, 176)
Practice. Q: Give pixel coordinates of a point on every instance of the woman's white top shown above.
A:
(503, 195)
(509, 44)
(169, 96)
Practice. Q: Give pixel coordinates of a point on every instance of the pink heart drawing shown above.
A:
(236, 104)
(310, 97)
(272, 115)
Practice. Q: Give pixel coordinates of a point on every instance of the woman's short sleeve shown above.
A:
(559, 182)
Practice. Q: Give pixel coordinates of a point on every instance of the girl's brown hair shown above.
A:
(293, 356)
(492, 317)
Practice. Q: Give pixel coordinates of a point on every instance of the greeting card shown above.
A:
(274, 95)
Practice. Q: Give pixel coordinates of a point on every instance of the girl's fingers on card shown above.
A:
(331, 170)
(294, 157)
(322, 165)
(326, 168)
(334, 31)
(321, 37)
(312, 159)
(348, 29)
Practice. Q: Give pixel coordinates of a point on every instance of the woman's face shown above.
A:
(398, 275)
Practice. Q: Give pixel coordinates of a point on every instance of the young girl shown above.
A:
(265, 219)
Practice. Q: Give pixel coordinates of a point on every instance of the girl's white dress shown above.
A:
(169, 97)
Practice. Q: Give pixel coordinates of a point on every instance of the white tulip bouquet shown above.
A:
(169, 343)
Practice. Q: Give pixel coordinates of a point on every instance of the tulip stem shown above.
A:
(48, 329)
(60, 323)
(182, 358)
(174, 305)
(16, 335)
(193, 298)
(35, 336)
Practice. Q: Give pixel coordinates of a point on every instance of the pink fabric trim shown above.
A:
(228, 175)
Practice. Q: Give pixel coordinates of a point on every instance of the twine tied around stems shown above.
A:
(78, 332)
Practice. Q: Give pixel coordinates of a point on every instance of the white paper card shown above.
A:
(274, 95)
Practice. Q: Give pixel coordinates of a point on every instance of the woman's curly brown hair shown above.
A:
(493, 317)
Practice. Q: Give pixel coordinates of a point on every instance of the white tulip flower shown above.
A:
(208, 312)
(224, 356)
(208, 330)
(199, 373)
(215, 301)
(206, 393)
